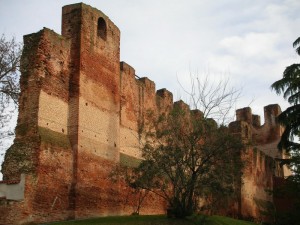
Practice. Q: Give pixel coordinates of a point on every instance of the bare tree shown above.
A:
(10, 54)
(215, 99)
(187, 158)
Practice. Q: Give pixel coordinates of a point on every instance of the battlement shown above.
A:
(249, 128)
(182, 105)
(196, 113)
(270, 113)
(164, 93)
(244, 114)
(256, 121)
(148, 84)
(127, 69)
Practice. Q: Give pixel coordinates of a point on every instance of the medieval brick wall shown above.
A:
(68, 132)
(260, 165)
(138, 97)
(80, 115)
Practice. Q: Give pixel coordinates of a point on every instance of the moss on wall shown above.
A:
(54, 138)
(129, 161)
(20, 158)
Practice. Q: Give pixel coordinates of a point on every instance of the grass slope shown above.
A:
(221, 220)
(154, 220)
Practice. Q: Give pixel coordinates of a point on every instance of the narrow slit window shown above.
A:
(102, 30)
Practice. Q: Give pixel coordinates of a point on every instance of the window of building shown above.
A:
(101, 30)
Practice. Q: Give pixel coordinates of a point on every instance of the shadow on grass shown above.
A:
(128, 220)
(155, 220)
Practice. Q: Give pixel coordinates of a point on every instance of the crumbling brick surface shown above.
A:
(259, 157)
(68, 132)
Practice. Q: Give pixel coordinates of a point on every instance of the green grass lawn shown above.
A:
(221, 220)
(154, 220)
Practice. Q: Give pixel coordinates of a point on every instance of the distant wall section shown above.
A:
(259, 158)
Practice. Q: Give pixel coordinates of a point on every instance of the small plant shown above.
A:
(198, 219)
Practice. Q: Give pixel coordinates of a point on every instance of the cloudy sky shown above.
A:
(247, 41)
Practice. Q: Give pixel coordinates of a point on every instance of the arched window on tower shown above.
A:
(101, 29)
